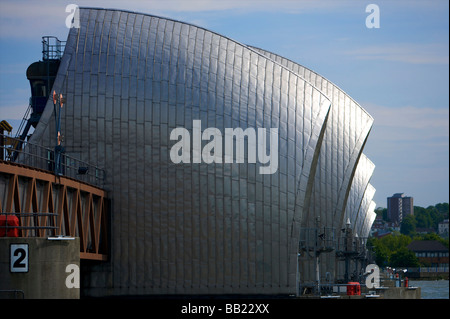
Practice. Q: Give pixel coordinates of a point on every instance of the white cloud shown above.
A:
(419, 122)
(423, 53)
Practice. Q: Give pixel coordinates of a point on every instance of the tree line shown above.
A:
(428, 217)
(392, 250)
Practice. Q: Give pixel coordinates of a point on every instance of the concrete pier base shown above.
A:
(39, 268)
(400, 293)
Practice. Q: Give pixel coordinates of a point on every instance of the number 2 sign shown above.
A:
(18, 258)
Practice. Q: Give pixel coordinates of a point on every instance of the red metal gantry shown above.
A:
(50, 205)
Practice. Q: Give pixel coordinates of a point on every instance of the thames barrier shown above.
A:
(223, 169)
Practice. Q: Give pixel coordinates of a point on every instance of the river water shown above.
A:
(432, 289)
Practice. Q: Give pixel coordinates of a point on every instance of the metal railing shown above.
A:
(43, 158)
(325, 239)
(356, 246)
(429, 269)
(329, 290)
(52, 48)
(30, 224)
(24, 119)
(319, 239)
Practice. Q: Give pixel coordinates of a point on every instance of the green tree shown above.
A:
(385, 247)
(403, 258)
(431, 216)
(382, 212)
(442, 209)
(392, 250)
(423, 218)
(380, 250)
(438, 213)
(408, 226)
(396, 241)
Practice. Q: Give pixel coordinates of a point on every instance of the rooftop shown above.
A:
(426, 245)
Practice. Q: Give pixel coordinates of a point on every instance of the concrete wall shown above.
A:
(399, 293)
(53, 269)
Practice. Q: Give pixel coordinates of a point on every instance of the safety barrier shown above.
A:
(29, 154)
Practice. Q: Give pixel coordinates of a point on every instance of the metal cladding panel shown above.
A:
(130, 79)
(364, 210)
(347, 129)
(360, 182)
(370, 218)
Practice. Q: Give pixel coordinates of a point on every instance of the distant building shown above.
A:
(425, 230)
(381, 228)
(430, 253)
(443, 228)
(378, 224)
(399, 206)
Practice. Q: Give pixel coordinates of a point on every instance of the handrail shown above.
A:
(41, 157)
(429, 269)
(35, 224)
(52, 48)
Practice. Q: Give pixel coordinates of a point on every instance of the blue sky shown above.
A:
(399, 72)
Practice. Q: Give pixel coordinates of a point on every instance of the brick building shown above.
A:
(399, 206)
(430, 253)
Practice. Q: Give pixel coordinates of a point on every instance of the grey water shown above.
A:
(432, 289)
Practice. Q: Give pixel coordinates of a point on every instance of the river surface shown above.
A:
(432, 289)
